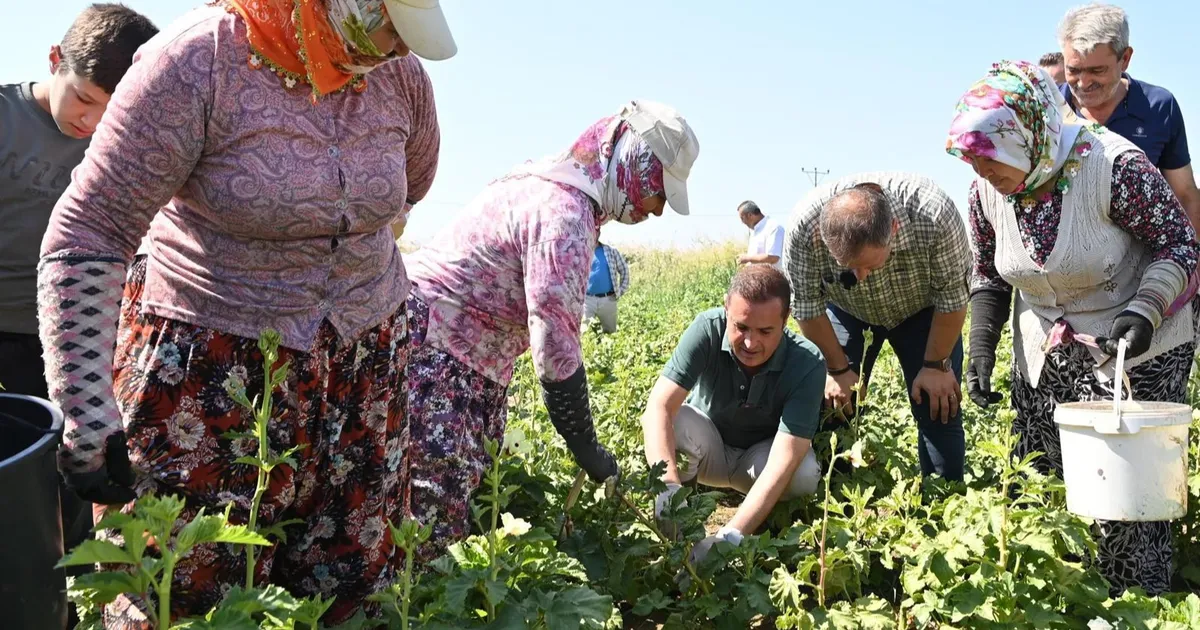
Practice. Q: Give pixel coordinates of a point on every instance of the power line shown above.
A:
(814, 174)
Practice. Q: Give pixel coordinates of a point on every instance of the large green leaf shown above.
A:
(512, 617)
(573, 606)
(495, 590)
(650, 602)
(239, 535)
(359, 621)
(220, 619)
(116, 520)
(757, 597)
(205, 529)
(456, 590)
(104, 587)
(96, 552)
(785, 591)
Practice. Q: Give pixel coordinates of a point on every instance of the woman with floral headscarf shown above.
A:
(264, 149)
(510, 275)
(1098, 248)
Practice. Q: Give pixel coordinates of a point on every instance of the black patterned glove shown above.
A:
(571, 414)
(112, 483)
(989, 310)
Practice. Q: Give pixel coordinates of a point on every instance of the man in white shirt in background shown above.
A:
(766, 237)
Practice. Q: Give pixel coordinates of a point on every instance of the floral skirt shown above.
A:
(451, 410)
(344, 401)
(1130, 553)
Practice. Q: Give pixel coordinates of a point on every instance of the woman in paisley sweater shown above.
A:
(264, 148)
(510, 275)
(1098, 248)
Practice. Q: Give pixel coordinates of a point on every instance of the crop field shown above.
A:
(873, 549)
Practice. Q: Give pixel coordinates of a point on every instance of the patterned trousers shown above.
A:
(344, 400)
(451, 410)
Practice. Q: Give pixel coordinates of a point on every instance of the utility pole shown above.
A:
(814, 174)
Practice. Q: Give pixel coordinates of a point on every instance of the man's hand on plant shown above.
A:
(839, 390)
(726, 534)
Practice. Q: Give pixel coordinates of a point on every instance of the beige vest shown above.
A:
(1091, 274)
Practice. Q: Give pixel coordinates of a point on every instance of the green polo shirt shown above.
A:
(785, 395)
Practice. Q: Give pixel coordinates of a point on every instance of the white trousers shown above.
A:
(721, 466)
(604, 308)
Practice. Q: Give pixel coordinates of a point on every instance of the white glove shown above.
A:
(727, 534)
(667, 526)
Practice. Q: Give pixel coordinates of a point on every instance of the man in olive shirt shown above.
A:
(753, 393)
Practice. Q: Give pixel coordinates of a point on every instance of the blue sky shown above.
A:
(770, 87)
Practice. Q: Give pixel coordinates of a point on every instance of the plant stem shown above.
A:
(1004, 526)
(262, 417)
(687, 564)
(408, 554)
(492, 543)
(642, 517)
(861, 386)
(1006, 475)
(824, 532)
(164, 591)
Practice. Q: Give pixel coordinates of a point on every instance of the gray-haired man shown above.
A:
(766, 237)
(1095, 47)
(887, 252)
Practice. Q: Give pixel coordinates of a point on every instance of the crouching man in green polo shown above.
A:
(741, 398)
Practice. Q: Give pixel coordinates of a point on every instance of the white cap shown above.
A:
(422, 26)
(673, 143)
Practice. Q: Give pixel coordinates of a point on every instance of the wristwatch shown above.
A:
(943, 365)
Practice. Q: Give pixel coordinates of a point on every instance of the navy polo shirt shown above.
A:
(1150, 118)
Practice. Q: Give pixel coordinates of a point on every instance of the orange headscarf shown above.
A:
(322, 42)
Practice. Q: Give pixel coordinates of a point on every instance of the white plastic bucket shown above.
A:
(1125, 460)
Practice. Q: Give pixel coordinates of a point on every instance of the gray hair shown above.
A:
(1084, 28)
(749, 207)
(855, 218)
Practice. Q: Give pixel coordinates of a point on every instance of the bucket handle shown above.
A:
(1112, 423)
(25, 423)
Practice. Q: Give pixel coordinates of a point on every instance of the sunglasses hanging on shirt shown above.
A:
(846, 278)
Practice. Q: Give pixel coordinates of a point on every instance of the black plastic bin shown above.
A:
(31, 538)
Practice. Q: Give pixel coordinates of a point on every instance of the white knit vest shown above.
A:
(1091, 274)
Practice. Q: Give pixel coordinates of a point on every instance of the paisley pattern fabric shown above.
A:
(263, 209)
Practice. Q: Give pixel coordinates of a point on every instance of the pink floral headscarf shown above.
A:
(1014, 116)
(612, 164)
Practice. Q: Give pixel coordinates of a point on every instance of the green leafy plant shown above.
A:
(150, 547)
(263, 461)
(141, 570)
(512, 576)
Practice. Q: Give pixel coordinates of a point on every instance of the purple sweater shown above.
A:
(259, 208)
(263, 209)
